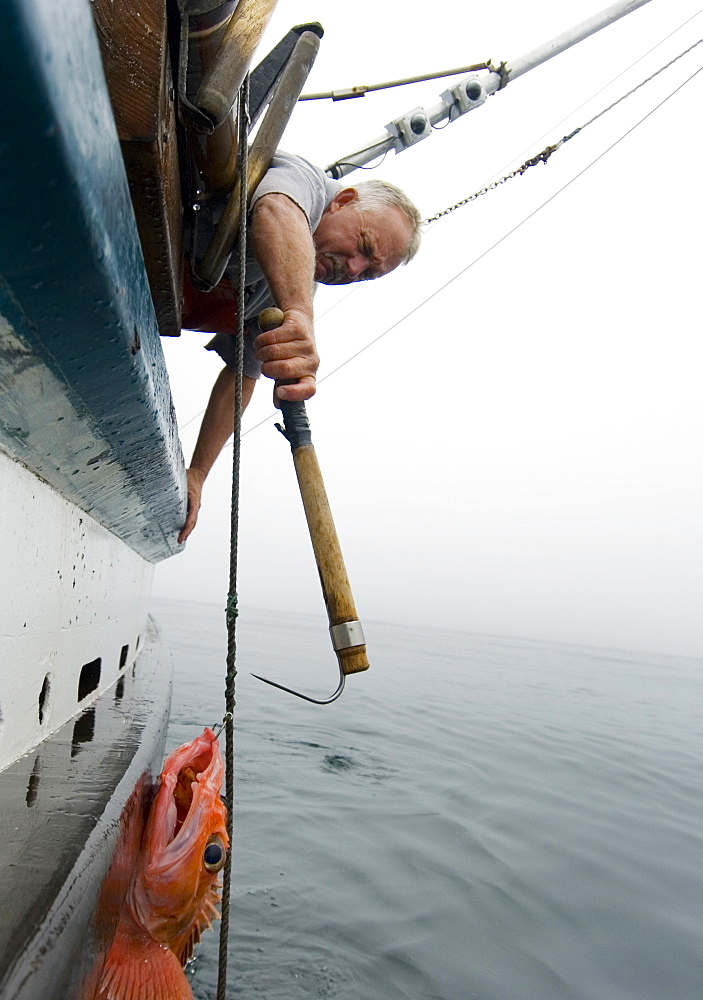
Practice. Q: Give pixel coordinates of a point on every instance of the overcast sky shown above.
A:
(521, 455)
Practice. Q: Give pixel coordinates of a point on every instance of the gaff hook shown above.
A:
(345, 629)
(306, 697)
(348, 643)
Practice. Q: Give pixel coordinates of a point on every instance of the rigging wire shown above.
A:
(519, 156)
(493, 246)
(597, 92)
(637, 87)
(549, 150)
(493, 183)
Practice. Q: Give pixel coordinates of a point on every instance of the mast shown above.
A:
(473, 91)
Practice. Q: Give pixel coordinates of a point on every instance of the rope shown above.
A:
(548, 150)
(231, 610)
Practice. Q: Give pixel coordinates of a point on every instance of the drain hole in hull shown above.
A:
(43, 697)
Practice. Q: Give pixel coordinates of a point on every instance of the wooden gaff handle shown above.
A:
(325, 543)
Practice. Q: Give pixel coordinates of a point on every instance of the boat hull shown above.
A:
(70, 824)
(92, 493)
(74, 602)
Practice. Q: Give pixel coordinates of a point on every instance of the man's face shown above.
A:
(358, 246)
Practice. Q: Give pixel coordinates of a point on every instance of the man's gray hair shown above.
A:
(375, 196)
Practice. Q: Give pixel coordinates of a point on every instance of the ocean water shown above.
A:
(476, 817)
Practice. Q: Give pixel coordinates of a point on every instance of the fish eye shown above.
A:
(214, 855)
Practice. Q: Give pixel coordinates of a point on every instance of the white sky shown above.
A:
(522, 455)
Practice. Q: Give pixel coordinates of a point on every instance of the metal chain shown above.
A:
(548, 150)
(231, 610)
(540, 158)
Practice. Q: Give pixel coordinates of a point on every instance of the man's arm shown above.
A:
(215, 431)
(283, 245)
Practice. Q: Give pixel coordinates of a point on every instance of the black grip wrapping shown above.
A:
(296, 427)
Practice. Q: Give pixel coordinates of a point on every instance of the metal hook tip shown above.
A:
(306, 697)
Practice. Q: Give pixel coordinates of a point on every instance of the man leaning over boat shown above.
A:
(304, 228)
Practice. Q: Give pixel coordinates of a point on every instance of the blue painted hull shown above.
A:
(73, 288)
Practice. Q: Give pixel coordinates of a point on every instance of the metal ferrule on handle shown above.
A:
(346, 635)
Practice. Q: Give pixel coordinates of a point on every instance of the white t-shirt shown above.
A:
(312, 191)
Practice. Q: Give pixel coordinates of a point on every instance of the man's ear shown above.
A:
(344, 197)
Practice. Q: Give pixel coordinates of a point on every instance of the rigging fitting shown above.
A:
(548, 150)
(398, 138)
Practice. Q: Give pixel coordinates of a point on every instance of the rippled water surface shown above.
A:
(477, 817)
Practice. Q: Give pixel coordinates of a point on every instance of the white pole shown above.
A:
(571, 37)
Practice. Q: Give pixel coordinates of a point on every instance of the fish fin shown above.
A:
(138, 968)
(203, 922)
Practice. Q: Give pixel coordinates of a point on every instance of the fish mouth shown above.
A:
(188, 806)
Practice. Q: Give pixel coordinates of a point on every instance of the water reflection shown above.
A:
(83, 731)
(33, 783)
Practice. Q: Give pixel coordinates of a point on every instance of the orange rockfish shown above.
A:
(173, 895)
